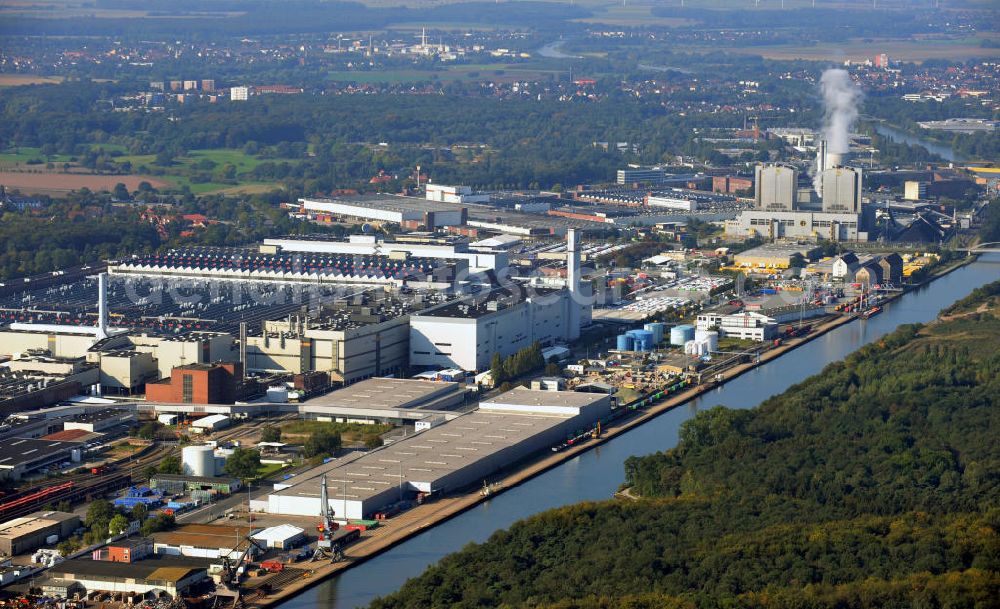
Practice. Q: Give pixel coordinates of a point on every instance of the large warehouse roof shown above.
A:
(386, 393)
(387, 398)
(521, 399)
(387, 202)
(27, 450)
(425, 457)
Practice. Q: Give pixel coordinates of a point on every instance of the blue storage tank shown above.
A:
(657, 328)
(681, 334)
(643, 340)
(624, 342)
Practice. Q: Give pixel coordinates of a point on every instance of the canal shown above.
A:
(945, 152)
(596, 474)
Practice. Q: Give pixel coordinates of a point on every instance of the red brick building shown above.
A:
(125, 550)
(198, 384)
(731, 184)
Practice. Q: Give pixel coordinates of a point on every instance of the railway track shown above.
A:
(81, 486)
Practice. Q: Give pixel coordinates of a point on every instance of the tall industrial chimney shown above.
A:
(102, 305)
(573, 282)
(243, 347)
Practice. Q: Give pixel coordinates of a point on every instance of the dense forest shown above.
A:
(873, 484)
(477, 141)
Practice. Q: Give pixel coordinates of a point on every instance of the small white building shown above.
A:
(454, 194)
(281, 537)
(212, 422)
(746, 325)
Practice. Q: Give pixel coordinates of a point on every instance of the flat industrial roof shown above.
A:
(163, 566)
(26, 450)
(212, 536)
(426, 456)
(30, 524)
(782, 249)
(385, 393)
(199, 479)
(478, 305)
(543, 399)
(388, 202)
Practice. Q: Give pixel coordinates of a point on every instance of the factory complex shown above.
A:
(266, 404)
(211, 325)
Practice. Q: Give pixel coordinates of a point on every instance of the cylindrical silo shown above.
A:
(709, 337)
(198, 460)
(643, 340)
(681, 334)
(624, 342)
(656, 328)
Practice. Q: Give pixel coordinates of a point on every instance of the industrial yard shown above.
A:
(239, 423)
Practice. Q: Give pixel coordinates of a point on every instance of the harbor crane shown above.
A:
(326, 549)
(232, 571)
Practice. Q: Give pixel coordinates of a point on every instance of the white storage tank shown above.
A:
(198, 460)
(681, 334)
(709, 336)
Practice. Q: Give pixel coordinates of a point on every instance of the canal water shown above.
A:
(597, 473)
(945, 152)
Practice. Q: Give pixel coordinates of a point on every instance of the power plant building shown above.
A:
(842, 190)
(798, 225)
(775, 187)
(777, 214)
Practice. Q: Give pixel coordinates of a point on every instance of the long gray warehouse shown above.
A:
(450, 456)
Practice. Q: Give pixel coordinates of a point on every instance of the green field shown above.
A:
(267, 469)
(23, 154)
(349, 432)
(178, 174)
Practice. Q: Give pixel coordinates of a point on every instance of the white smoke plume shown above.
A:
(841, 98)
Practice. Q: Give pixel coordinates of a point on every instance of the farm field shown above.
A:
(57, 184)
(18, 80)
(17, 172)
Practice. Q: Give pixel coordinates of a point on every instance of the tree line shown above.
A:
(872, 484)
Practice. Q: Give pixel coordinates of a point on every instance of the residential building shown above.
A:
(239, 93)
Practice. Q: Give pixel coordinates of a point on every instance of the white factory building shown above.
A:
(388, 208)
(672, 202)
(369, 245)
(747, 325)
(445, 458)
(454, 194)
(466, 333)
